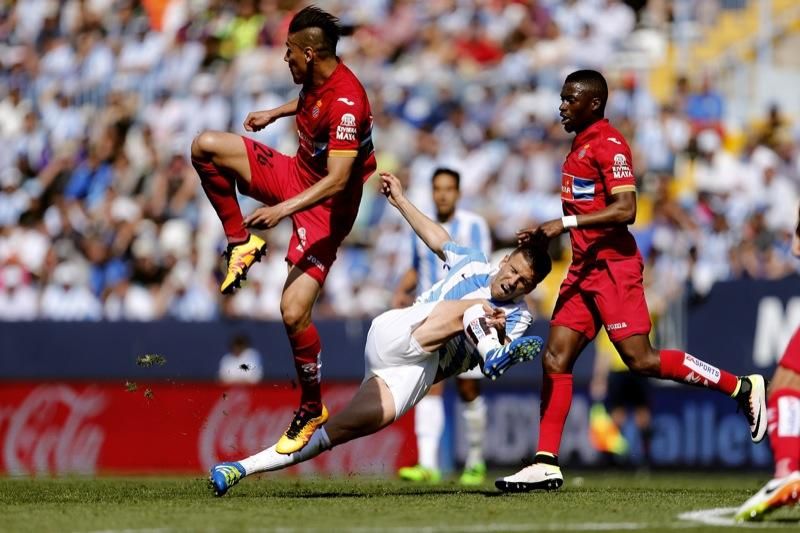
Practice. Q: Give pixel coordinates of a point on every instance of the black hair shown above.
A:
(449, 172)
(538, 258)
(594, 81)
(327, 24)
(240, 341)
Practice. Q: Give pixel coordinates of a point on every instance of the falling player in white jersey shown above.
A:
(426, 269)
(409, 349)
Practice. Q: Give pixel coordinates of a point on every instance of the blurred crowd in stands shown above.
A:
(102, 215)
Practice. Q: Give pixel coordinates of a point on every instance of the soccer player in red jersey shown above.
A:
(604, 283)
(319, 188)
(783, 414)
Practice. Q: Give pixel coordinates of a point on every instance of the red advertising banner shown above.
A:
(76, 428)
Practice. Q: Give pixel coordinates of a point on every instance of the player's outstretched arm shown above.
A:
(434, 235)
(258, 120)
(621, 210)
(338, 173)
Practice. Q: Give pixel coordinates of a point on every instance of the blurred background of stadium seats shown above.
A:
(102, 218)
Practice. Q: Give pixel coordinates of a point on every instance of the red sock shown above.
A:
(221, 192)
(685, 368)
(556, 400)
(306, 348)
(783, 410)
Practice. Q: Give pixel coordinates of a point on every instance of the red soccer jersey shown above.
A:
(598, 166)
(334, 120)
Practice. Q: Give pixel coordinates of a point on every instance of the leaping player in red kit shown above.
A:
(319, 188)
(783, 414)
(604, 283)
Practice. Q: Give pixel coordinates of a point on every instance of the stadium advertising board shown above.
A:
(692, 428)
(61, 428)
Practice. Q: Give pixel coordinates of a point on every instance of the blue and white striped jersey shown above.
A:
(465, 228)
(468, 275)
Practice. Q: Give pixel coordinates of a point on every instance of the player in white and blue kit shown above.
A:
(426, 269)
(474, 316)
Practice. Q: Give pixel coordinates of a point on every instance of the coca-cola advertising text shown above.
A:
(74, 428)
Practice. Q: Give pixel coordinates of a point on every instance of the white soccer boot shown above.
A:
(776, 493)
(538, 476)
(752, 400)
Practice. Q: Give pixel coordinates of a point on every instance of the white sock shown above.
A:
(429, 426)
(268, 460)
(485, 338)
(474, 414)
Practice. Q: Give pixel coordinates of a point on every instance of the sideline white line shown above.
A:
(476, 528)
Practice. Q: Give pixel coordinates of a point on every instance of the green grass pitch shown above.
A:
(589, 501)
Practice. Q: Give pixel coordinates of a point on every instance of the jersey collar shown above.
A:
(583, 136)
(334, 74)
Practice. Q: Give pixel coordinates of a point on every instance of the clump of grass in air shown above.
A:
(151, 359)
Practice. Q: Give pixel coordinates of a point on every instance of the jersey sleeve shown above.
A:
(517, 322)
(346, 122)
(614, 161)
(454, 254)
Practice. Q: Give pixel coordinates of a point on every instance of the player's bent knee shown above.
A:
(203, 145)
(295, 317)
(554, 362)
(209, 144)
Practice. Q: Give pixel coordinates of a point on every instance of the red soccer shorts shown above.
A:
(319, 230)
(607, 293)
(791, 357)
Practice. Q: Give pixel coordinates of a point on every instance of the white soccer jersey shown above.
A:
(468, 274)
(465, 228)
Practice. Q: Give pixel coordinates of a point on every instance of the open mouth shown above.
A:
(505, 288)
(564, 119)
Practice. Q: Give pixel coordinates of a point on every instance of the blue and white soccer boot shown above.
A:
(517, 351)
(224, 476)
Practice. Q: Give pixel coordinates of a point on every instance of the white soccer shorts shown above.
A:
(392, 355)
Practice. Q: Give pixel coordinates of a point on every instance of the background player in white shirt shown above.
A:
(467, 229)
(409, 349)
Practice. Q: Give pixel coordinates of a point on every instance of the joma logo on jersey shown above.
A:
(576, 189)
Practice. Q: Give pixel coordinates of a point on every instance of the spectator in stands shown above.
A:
(242, 363)
(95, 97)
(19, 299)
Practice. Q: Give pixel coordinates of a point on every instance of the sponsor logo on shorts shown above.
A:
(301, 235)
(703, 369)
(316, 262)
(346, 130)
(616, 325)
(621, 169)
